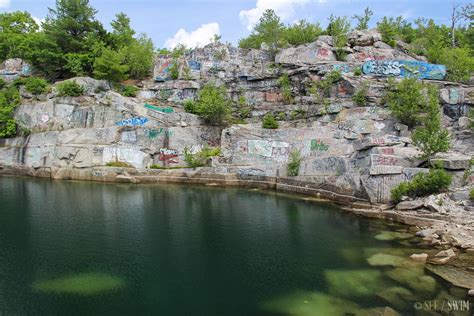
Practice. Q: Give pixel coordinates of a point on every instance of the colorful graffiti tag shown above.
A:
(319, 145)
(404, 68)
(194, 65)
(162, 70)
(136, 121)
(153, 133)
(168, 155)
(155, 108)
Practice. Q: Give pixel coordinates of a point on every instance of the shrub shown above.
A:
(430, 136)
(269, 122)
(9, 99)
(360, 97)
(406, 100)
(301, 33)
(212, 104)
(70, 89)
(119, 164)
(459, 63)
(358, 71)
(244, 109)
(174, 69)
(3, 83)
(190, 106)
(471, 194)
(109, 66)
(36, 85)
(293, 167)
(338, 28)
(423, 184)
(322, 87)
(285, 85)
(129, 91)
(200, 158)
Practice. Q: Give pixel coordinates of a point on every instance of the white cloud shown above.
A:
(197, 38)
(4, 3)
(38, 21)
(285, 9)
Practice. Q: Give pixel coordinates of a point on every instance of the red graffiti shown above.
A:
(377, 141)
(168, 155)
(323, 52)
(386, 161)
(387, 151)
(273, 96)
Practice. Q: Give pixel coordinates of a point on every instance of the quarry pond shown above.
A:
(87, 248)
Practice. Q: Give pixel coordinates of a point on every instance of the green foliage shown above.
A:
(301, 33)
(423, 184)
(165, 167)
(269, 30)
(190, 106)
(174, 69)
(122, 34)
(459, 63)
(395, 28)
(129, 91)
(244, 109)
(69, 89)
(358, 71)
(200, 158)
(3, 83)
(360, 96)
(119, 164)
(363, 20)
(470, 115)
(471, 194)
(285, 85)
(9, 99)
(138, 57)
(338, 28)
(430, 136)
(269, 122)
(294, 163)
(321, 88)
(36, 85)
(212, 104)
(109, 67)
(406, 100)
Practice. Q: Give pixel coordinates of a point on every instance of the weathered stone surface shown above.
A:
(12, 68)
(309, 54)
(410, 205)
(453, 161)
(364, 37)
(446, 253)
(404, 68)
(419, 257)
(91, 86)
(441, 204)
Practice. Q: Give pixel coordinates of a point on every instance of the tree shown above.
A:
(122, 34)
(109, 66)
(363, 20)
(406, 101)
(430, 136)
(138, 56)
(269, 30)
(15, 27)
(301, 33)
(338, 28)
(212, 104)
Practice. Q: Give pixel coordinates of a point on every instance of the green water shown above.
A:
(77, 248)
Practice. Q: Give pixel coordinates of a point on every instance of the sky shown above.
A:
(194, 22)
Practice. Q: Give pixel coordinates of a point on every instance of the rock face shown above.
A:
(13, 68)
(347, 149)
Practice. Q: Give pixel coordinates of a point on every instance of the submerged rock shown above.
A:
(419, 257)
(457, 276)
(388, 235)
(354, 283)
(383, 259)
(414, 277)
(81, 284)
(304, 303)
(396, 296)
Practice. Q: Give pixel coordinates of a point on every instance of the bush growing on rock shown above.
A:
(200, 158)
(269, 122)
(9, 99)
(338, 28)
(69, 89)
(294, 163)
(119, 164)
(212, 104)
(129, 91)
(110, 67)
(360, 97)
(471, 194)
(190, 106)
(459, 63)
(36, 85)
(285, 85)
(423, 184)
(3, 83)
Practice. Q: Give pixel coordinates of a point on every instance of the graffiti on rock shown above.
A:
(153, 133)
(162, 70)
(319, 145)
(194, 65)
(155, 108)
(136, 121)
(404, 68)
(168, 155)
(343, 68)
(269, 149)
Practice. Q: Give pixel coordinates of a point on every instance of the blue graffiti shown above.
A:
(404, 68)
(341, 68)
(136, 121)
(194, 65)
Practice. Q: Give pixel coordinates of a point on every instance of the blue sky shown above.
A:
(194, 22)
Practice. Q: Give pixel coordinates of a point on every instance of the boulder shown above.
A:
(91, 86)
(419, 257)
(441, 204)
(309, 54)
(464, 123)
(452, 161)
(410, 205)
(446, 253)
(364, 37)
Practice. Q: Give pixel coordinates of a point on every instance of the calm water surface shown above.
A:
(83, 248)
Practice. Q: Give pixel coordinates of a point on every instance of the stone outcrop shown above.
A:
(347, 149)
